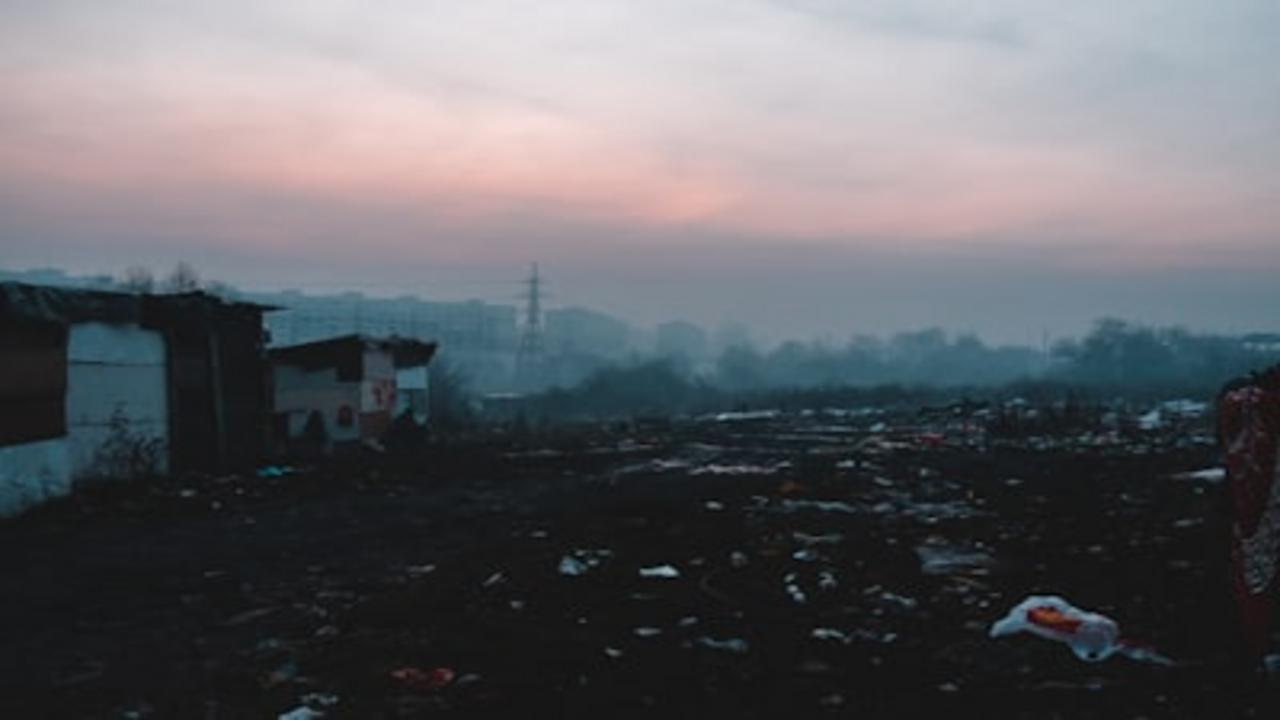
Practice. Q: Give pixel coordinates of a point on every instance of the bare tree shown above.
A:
(138, 279)
(221, 289)
(183, 279)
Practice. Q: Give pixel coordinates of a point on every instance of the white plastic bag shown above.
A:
(1091, 636)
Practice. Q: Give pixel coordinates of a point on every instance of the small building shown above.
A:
(97, 385)
(348, 390)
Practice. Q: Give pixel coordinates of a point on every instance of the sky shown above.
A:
(811, 168)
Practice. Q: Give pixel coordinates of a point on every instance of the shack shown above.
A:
(99, 385)
(349, 390)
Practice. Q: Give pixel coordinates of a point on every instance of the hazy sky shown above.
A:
(810, 166)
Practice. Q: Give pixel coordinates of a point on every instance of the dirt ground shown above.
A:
(804, 566)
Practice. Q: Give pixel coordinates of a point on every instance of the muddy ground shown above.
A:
(819, 569)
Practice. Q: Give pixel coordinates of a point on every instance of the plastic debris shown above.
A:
(663, 572)
(796, 594)
(902, 601)
(829, 634)
(827, 580)
(737, 646)
(320, 700)
(738, 559)
(1271, 665)
(942, 559)
(580, 562)
(613, 653)
(1091, 636)
(827, 506)
(713, 505)
(572, 566)
(739, 469)
(1210, 475)
(274, 471)
(647, 632)
(424, 680)
(747, 415)
(420, 570)
(825, 539)
(856, 635)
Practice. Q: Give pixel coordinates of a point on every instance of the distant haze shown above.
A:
(807, 167)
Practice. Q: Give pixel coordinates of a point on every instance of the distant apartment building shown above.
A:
(579, 331)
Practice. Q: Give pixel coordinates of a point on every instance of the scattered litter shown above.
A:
(579, 562)
(664, 572)
(647, 632)
(613, 653)
(688, 621)
(320, 700)
(572, 566)
(275, 471)
(1271, 665)
(829, 634)
(713, 505)
(826, 539)
(827, 580)
(901, 601)
(420, 570)
(1212, 475)
(248, 616)
(796, 594)
(1091, 636)
(931, 513)
(940, 559)
(737, 646)
(805, 555)
(424, 680)
(745, 416)
(827, 506)
(739, 469)
(738, 559)
(495, 579)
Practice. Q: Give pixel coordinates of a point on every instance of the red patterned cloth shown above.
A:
(1249, 426)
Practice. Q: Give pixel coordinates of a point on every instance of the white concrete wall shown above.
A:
(32, 473)
(117, 409)
(117, 401)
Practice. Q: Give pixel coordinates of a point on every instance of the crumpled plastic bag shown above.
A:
(1091, 636)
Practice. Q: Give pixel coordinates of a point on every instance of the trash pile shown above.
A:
(758, 563)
